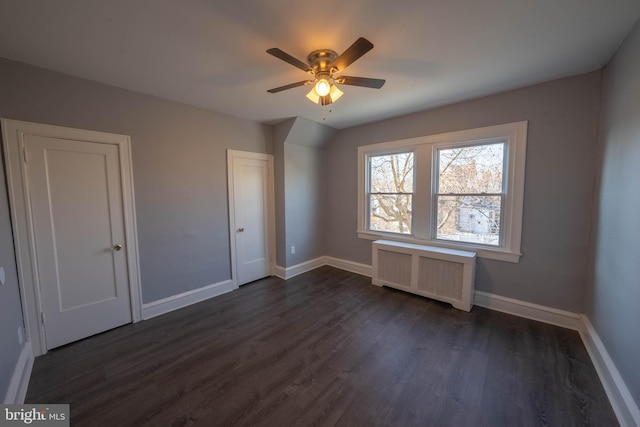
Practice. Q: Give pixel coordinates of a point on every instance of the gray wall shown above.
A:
(613, 294)
(179, 167)
(280, 133)
(300, 189)
(304, 195)
(561, 145)
(10, 307)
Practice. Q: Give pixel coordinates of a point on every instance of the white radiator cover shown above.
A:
(443, 274)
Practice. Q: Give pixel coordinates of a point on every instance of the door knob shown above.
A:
(240, 230)
(117, 247)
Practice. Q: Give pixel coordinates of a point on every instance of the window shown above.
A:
(391, 192)
(462, 190)
(469, 194)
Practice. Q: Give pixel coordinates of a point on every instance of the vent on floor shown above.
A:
(438, 273)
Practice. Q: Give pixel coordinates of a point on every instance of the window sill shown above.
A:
(481, 251)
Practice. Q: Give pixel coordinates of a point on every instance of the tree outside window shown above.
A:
(391, 192)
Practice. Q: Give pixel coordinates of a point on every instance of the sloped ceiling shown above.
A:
(211, 53)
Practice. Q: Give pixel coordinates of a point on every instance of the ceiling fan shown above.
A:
(326, 66)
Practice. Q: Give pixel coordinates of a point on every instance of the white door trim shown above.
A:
(13, 132)
(271, 211)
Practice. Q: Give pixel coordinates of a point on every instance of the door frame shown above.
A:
(13, 133)
(271, 212)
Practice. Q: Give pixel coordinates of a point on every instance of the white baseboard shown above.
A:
(553, 316)
(175, 302)
(565, 319)
(625, 408)
(17, 390)
(354, 267)
(280, 272)
(303, 267)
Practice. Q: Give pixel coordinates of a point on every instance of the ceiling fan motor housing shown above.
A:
(321, 60)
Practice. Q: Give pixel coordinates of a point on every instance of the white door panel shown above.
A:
(251, 217)
(251, 181)
(76, 202)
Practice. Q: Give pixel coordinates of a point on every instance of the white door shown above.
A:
(251, 207)
(78, 226)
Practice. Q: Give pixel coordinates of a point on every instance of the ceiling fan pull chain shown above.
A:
(324, 111)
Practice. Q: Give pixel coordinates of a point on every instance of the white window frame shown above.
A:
(423, 213)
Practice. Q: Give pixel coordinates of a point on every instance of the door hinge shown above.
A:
(24, 153)
(42, 317)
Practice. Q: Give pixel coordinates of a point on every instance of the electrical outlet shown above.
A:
(293, 249)
(20, 335)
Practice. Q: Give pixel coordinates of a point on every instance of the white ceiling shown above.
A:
(211, 53)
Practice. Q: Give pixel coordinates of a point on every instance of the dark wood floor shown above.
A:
(326, 349)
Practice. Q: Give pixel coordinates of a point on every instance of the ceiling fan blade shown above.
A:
(360, 81)
(290, 59)
(355, 51)
(289, 86)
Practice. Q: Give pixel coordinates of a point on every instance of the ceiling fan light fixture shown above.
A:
(335, 93)
(323, 86)
(331, 97)
(313, 96)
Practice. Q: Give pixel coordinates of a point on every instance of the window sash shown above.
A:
(436, 195)
(371, 194)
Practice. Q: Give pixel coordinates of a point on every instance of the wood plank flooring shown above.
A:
(325, 348)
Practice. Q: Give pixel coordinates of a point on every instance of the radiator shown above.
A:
(442, 274)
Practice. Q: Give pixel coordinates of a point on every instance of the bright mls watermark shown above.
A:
(35, 415)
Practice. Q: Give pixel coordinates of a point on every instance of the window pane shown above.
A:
(474, 169)
(473, 219)
(391, 173)
(390, 213)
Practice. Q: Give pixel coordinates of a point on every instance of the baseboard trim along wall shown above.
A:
(294, 270)
(175, 302)
(553, 316)
(624, 406)
(17, 390)
(351, 266)
(303, 267)
(519, 308)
